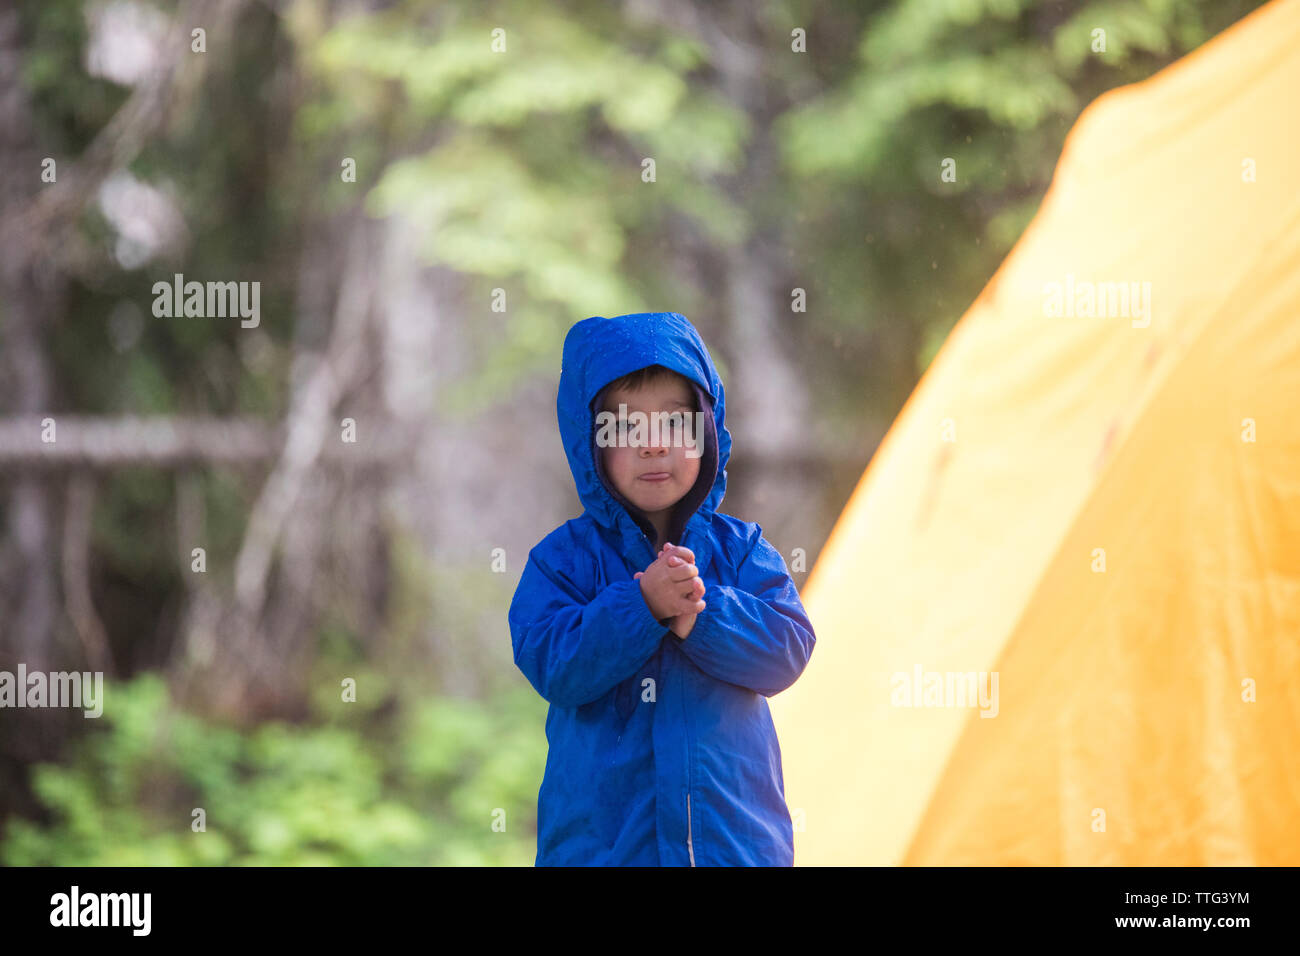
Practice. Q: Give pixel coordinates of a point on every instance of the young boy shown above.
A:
(654, 625)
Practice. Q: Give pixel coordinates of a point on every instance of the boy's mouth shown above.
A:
(655, 476)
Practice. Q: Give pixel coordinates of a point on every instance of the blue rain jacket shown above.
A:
(662, 750)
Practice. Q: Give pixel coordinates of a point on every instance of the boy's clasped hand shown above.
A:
(672, 588)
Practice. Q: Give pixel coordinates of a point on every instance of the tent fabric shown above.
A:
(1101, 509)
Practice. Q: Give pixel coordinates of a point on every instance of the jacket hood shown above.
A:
(599, 350)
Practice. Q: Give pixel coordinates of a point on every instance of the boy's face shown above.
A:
(658, 475)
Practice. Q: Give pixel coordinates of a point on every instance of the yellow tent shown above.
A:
(1088, 510)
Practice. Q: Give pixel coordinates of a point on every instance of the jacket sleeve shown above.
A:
(755, 634)
(573, 650)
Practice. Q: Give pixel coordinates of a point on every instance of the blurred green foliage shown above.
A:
(422, 787)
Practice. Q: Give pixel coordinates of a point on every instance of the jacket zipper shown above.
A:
(690, 841)
(689, 847)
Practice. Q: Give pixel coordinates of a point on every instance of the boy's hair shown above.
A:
(650, 373)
